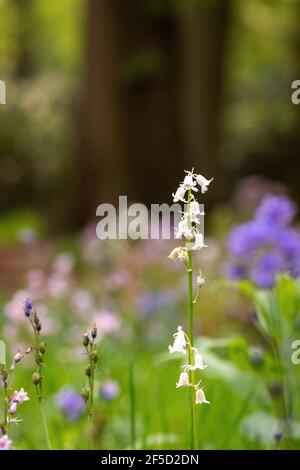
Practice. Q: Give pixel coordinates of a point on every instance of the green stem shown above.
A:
(132, 405)
(194, 438)
(91, 382)
(45, 425)
(191, 332)
(91, 395)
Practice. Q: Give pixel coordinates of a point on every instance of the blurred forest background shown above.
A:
(115, 97)
(109, 97)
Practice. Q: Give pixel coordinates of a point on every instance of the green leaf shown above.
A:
(287, 292)
(259, 427)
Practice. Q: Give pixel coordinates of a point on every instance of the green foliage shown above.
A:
(277, 319)
(15, 225)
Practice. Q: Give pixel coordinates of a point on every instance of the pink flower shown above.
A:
(36, 283)
(17, 399)
(107, 322)
(109, 390)
(5, 442)
(117, 279)
(63, 264)
(13, 408)
(14, 308)
(18, 357)
(82, 301)
(58, 285)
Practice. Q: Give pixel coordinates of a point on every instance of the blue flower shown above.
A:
(70, 403)
(278, 210)
(264, 271)
(265, 246)
(27, 307)
(236, 271)
(246, 238)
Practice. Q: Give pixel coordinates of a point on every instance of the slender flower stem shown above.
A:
(45, 425)
(132, 405)
(194, 438)
(91, 380)
(191, 331)
(39, 380)
(89, 342)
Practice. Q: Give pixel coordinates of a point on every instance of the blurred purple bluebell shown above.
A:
(109, 390)
(151, 302)
(244, 240)
(278, 210)
(70, 403)
(267, 245)
(235, 271)
(265, 269)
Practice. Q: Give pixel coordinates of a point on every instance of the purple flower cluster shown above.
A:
(267, 245)
(70, 403)
(27, 307)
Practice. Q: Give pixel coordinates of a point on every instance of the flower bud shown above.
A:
(40, 358)
(35, 318)
(94, 332)
(88, 371)
(36, 378)
(42, 347)
(4, 374)
(85, 340)
(27, 307)
(18, 357)
(275, 388)
(200, 279)
(94, 356)
(13, 408)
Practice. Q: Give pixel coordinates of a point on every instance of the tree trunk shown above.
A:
(149, 104)
(24, 39)
(202, 39)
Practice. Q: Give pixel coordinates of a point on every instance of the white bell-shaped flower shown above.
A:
(203, 183)
(184, 230)
(199, 242)
(179, 342)
(180, 193)
(195, 208)
(189, 182)
(184, 380)
(198, 361)
(200, 397)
